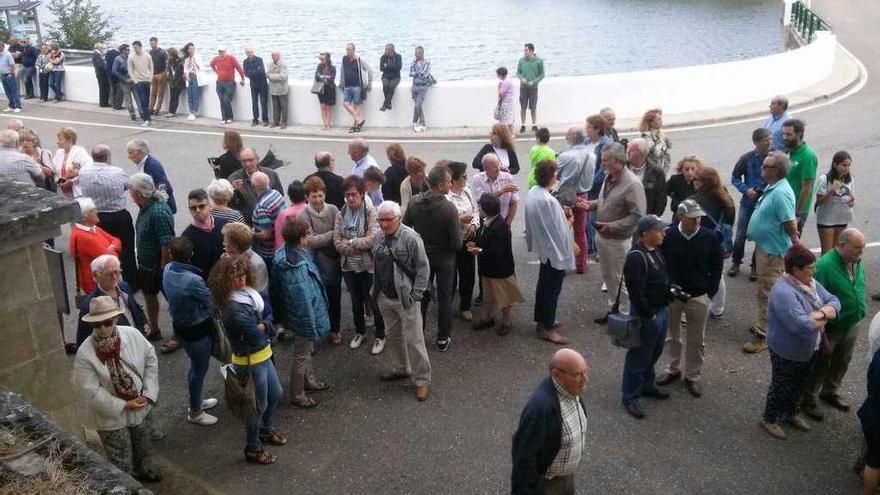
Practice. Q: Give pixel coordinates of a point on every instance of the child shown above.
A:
(374, 179)
(539, 153)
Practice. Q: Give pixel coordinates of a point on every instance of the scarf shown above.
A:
(251, 297)
(807, 290)
(107, 349)
(353, 222)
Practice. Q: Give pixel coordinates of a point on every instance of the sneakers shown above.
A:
(209, 404)
(18, 110)
(773, 429)
(467, 315)
(693, 388)
(378, 346)
(356, 341)
(191, 116)
(716, 316)
(798, 423)
(222, 122)
(203, 419)
(147, 123)
(604, 287)
(443, 344)
(170, 116)
(755, 346)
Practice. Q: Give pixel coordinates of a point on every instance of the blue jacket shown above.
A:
(747, 175)
(537, 439)
(154, 169)
(300, 299)
(599, 172)
(255, 71)
(29, 56)
(791, 332)
(109, 58)
(240, 323)
(189, 300)
(83, 329)
(120, 67)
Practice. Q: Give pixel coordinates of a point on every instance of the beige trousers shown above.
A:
(612, 254)
(697, 312)
(769, 269)
(405, 339)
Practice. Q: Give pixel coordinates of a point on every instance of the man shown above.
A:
(355, 79)
(530, 72)
(610, 118)
(549, 443)
(334, 192)
(269, 203)
(746, 178)
(115, 97)
(435, 219)
(29, 68)
(802, 175)
(773, 228)
(107, 186)
(620, 205)
(237, 241)
(840, 271)
(389, 64)
(158, 80)
(105, 271)
(140, 72)
(139, 154)
(492, 180)
(255, 71)
(204, 233)
(778, 116)
(653, 178)
(155, 229)
(245, 197)
(100, 65)
(119, 71)
(7, 76)
(359, 151)
(278, 89)
(694, 262)
(15, 165)
(400, 279)
(15, 49)
(575, 174)
(225, 66)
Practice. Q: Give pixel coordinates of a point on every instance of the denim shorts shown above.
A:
(353, 94)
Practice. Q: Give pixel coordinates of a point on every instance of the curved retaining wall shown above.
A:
(561, 100)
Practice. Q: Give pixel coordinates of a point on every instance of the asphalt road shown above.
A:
(372, 437)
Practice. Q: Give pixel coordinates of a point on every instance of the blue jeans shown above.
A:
(353, 95)
(591, 232)
(141, 92)
(638, 368)
(443, 273)
(10, 87)
(742, 226)
(193, 95)
(268, 397)
(56, 80)
(260, 99)
(199, 353)
(547, 294)
(226, 92)
(28, 78)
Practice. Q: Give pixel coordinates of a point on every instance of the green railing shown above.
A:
(805, 22)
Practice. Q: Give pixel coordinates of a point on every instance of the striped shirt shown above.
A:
(574, 425)
(482, 184)
(154, 229)
(106, 185)
(269, 203)
(18, 166)
(227, 214)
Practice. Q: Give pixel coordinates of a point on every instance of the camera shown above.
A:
(676, 292)
(759, 191)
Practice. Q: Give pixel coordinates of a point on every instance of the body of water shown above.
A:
(466, 39)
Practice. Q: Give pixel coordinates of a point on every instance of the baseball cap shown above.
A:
(650, 222)
(690, 209)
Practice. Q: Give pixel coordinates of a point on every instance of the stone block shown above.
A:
(40, 271)
(43, 318)
(45, 381)
(17, 285)
(67, 420)
(18, 344)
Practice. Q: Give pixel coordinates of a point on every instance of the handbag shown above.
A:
(725, 232)
(826, 347)
(497, 113)
(221, 349)
(317, 87)
(625, 330)
(241, 393)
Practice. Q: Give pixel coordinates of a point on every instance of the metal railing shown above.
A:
(805, 22)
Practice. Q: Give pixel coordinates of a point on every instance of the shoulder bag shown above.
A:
(241, 393)
(221, 349)
(725, 232)
(625, 330)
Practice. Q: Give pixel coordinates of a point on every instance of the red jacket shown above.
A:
(225, 68)
(85, 246)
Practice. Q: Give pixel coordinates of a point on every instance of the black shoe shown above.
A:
(443, 345)
(478, 301)
(668, 378)
(602, 319)
(388, 377)
(876, 296)
(534, 128)
(70, 348)
(694, 388)
(382, 108)
(634, 409)
(154, 336)
(484, 325)
(656, 394)
(265, 124)
(388, 107)
(254, 123)
(522, 129)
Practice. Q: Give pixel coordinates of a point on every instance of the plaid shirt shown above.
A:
(574, 425)
(154, 229)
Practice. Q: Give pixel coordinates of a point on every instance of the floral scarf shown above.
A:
(107, 349)
(807, 290)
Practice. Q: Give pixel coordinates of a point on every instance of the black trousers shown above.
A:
(174, 100)
(103, 88)
(388, 87)
(44, 86)
(334, 297)
(465, 263)
(547, 294)
(120, 225)
(260, 100)
(359, 285)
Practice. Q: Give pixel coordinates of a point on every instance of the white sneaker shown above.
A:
(378, 346)
(356, 341)
(223, 122)
(422, 128)
(416, 128)
(16, 110)
(191, 116)
(203, 419)
(229, 121)
(209, 404)
(467, 315)
(7, 109)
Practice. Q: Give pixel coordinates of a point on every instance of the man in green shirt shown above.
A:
(802, 175)
(840, 272)
(530, 71)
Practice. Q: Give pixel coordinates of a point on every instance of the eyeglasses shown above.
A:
(352, 194)
(198, 207)
(105, 323)
(386, 220)
(574, 373)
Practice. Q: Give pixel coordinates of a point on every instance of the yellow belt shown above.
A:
(255, 358)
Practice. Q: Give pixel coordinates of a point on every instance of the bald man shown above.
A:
(551, 437)
(840, 272)
(334, 190)
(269, 203)
(359, 151)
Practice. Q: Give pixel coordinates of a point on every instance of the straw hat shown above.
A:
(101, 308)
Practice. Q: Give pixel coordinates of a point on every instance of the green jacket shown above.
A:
(531, 70)
(831, 272)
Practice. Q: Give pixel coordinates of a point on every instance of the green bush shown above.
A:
(79, 24)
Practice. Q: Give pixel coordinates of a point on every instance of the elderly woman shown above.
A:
(242, 309)
(87, 242)
(29, 144)
(220, 192)
(116, 374)
(501, 145)
(469, 221)
(797, 311)
(302, 307)
(68, 161)
(229, 162)
(680, 185)
(415, 183)
(651, 129)
(353, 237)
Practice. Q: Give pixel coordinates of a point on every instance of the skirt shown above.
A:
(504, 113)
(501, 292)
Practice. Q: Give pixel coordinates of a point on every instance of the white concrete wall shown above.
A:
(561, 100)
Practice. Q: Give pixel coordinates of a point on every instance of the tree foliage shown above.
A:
(79, 24)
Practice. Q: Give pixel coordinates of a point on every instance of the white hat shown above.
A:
(101, 308)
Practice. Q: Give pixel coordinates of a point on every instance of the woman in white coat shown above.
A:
(68, 161)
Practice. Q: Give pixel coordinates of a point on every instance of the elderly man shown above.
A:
(773, 228)
(620, 205)
(334, 190)
(840, 271)
(746, 178)
(653, 178)
(15, 165)
(139, 154)
(359, 151)
(269, 203)
(255, 71)
(107, 186)
(355, 79)
(159, 79)
(245, 197)
(105, 271)
(204, 233)
(140, 70)
(492, 180)
(29, 54)
(435, 218)
(276, 72)
(610, 118)
(549, 443)
(7, 76)
(100, 65)
(225, 66)
(778, 116)
(400, 279)
(804, 163)
(575, 175)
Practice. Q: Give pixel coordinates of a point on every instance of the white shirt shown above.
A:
(547, 232)
(465, 202)
(503, 157)
(77, 154)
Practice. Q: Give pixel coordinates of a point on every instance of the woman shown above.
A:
(597, 139)
(504, 113)
(44, 71)
(30, 146)
(501, 144)
(231, 282)
(651, 129)
(191, 68)
(395, 173)
(116, 374)
(834, 200)
(353, 236)
(420, 72)
(68, 161)
(415, 183)
(321, 217)
(302, 307)
(680, 186)
(297, 195)
(229, 162)
(56, 77)
(220, 192)
(869, 417)
(797, 311)
(326, 74)
(176, 76)
(87, 242)
(494, 249)
(469, 220)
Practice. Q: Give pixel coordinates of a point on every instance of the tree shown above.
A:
(79, 24)
(4, 33)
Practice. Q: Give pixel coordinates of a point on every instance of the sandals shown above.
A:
(259, 457)
(319, 387)
(169, 346)
(309, 403)
(273, 438)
